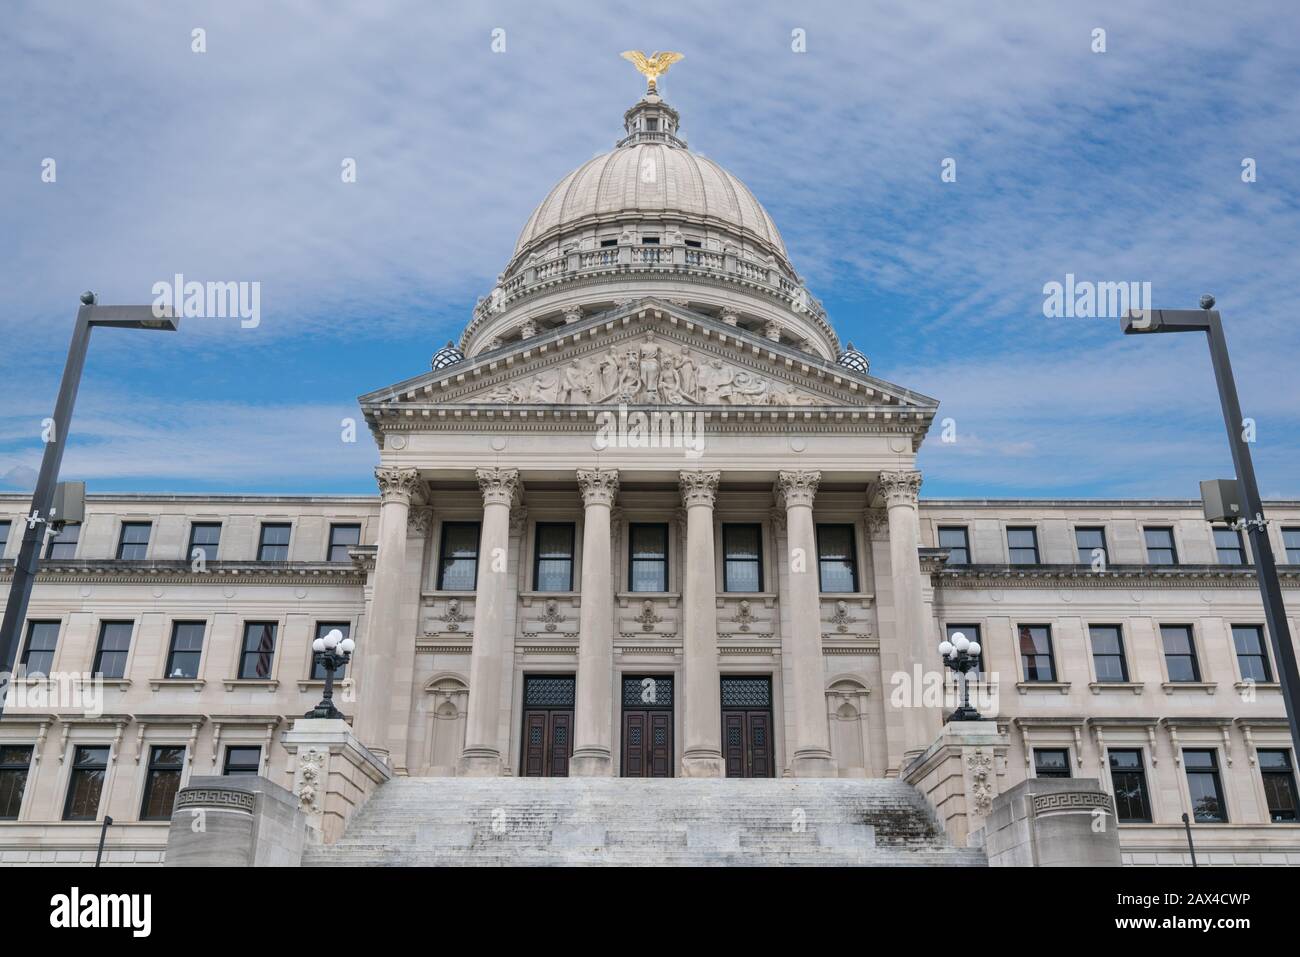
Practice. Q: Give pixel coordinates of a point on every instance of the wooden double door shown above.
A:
(647, 726)
(548, 726)
(747, 727)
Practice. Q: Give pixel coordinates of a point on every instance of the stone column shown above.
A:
(812, 751)
(377, 653)
(593, 730)
(492, 651)
(917, 644)
(702, 757)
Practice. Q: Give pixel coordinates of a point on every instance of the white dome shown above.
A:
(656, 179)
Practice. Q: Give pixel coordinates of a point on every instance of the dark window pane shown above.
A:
(1291, 540)
(553, 564)
(1108, 653)
(135, 540)
(1279, 784)
(955, 539)
(38, 651)
(1022, 546)
(1160, 546)
(742, 558)
(1091, 544)
(162, 782)
(972, 633)
(1252, 658)
(114, 644)
(64, 544)
(323, 628)
(86, 783)
(1180, 653)
(1227, 545)
(274, 546)
(4, 536)
(648, 570)
(837, 558)
(1204, 787)
(341, 538)
(458, 569)
(15, 760)
(1052, 762)
(1128, 777)
(1036, 653)
(205, 538)
(259, 649)
(241, 760)
(186, 649)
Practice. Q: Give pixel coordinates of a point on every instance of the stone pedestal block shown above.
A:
(958, 775)
(333, 774)
(235, 822)
(1052, 822)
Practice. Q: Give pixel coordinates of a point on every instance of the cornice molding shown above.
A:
(1115, 576)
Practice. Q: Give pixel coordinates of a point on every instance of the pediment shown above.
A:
(648, 354)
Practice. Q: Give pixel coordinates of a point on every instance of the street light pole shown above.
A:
(1207, 320)
(89, 315)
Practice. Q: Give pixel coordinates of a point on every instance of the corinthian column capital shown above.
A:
(397, 485)
(499, 486)
(699, 487)
(796, 487)
(598, 486)
(900, 488)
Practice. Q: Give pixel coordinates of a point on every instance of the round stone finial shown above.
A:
(87, 298)
(1207, 301)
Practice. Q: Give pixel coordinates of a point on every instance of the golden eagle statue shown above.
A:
(653, 66)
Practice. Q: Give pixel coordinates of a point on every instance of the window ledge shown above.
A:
(234, 684)
(1024, 687)
(1098, 687)
(1257, 685)
(308, 684)
(157, 684)
(1171, 686)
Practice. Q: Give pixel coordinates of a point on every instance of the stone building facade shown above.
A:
(649, 517)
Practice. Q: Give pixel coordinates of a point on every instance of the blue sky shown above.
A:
(1115, 166)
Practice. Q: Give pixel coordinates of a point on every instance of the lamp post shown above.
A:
(963, 656)
(1207, 320)
(333, 651)
(89, 315)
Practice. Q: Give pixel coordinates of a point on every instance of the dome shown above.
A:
(446, 356)
(656, 178)
(854, 360)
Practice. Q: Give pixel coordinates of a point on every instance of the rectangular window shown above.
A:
(956, 539)
(86, 783)
(1204, 786)
(647, 557)
(1291, 542)
(162, 781)
(1279, 784)
(323, 628)
(274, 545)
(1252, 657)
(1129, 778)
(458, 564)
(205, 539)
(1091, 545)
(259, 649)
(1036, 653)
(4, 536)
(186, 649)
(553, 557)
(742, 558)
(1022, 546)
(343, 537)
(607, 243)
(242, 760)
(1051, 762)
(972, 633)
(134, 543)
(1180, 653)
(15, 761)
(1160, 546)
(38, 651)
(111, 652)
(837, 558)
(1228, 546)
(1108, 652)
(64, 544)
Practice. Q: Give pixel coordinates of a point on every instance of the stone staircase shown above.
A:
(643, 822)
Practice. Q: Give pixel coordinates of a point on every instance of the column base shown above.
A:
(813, 763)
(591, 763)
(479, 763)
(703, 763)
